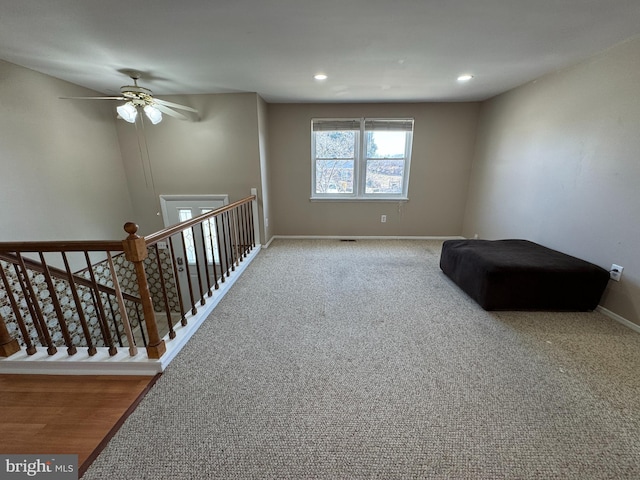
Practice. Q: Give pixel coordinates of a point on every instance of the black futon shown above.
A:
(522, 275)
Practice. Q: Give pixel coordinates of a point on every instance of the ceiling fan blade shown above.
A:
(174, 105)
(169, 112)
(93, 98)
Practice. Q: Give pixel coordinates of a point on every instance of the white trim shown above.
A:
(328, 198)
(256, 216)
(223, 197)
(362, 237)
(80, 364)
(618, 318)
(121, 364)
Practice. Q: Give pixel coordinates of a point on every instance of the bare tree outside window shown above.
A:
(335, 158)
(363, 158)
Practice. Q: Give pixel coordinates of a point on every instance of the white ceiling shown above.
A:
(372, 50)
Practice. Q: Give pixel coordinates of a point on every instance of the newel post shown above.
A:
(8, 344)
(135, 250)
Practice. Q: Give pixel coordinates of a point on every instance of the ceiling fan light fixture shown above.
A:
(153, 114)
(137, 98)
(128, 112)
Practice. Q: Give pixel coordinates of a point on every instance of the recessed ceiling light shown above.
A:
(320, 76)
(465, 78)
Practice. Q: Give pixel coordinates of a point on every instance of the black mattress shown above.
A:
(522, 275)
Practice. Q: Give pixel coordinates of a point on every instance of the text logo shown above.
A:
(49, 467)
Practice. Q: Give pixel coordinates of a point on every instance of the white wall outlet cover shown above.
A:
(616, 272)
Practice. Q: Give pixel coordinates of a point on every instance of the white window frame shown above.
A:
(360, 158)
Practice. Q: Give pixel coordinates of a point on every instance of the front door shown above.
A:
(178, 208)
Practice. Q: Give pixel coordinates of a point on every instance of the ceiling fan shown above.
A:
(137, 97)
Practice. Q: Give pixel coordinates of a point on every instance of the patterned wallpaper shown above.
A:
(62, 290)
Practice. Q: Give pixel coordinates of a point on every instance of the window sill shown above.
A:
(359, 199)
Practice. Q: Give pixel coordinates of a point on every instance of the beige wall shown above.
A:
(558, 162)
(443, 140)
(61, 174)
(219, 154)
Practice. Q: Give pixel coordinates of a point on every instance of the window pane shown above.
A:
(386, 144)
(335, 144)
(334, 176)
(210, 238)
(384, 176)
(185, 214)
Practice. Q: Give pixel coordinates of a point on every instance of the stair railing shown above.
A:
(53, 306)
(111, 293)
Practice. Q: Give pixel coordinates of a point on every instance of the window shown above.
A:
(361, 158)
(210, 237)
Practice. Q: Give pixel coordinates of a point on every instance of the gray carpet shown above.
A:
(339, 360)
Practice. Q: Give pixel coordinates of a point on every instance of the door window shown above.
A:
(210, 236)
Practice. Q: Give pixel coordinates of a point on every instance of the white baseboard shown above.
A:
(627, 323)
(360, 237)
(40, 363)
(122, 363)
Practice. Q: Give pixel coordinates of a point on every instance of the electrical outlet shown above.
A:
(616, 272)
(162, 245)
(383, 218)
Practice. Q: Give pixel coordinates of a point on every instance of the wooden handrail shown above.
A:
(113, 245)
(161, 235)
(63, 246)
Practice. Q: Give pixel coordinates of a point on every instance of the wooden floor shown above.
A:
(50, 414)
